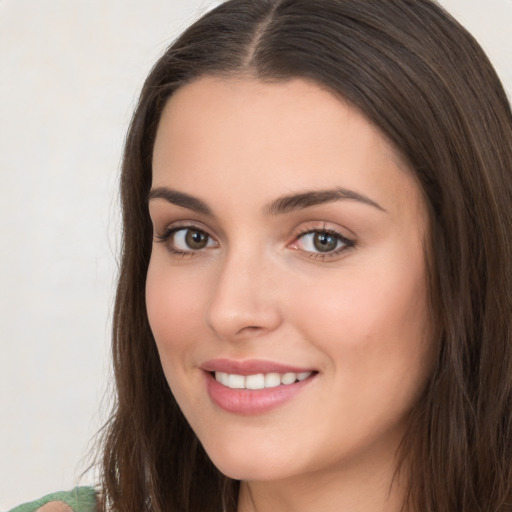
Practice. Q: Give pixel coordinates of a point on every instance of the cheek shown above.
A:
(174, 308)
(364, 305)
(372, 322)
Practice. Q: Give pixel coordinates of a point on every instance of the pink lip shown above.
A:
(247, 401)
(250, 367)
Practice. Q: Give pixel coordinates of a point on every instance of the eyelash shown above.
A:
(347, 243)
(169, 233)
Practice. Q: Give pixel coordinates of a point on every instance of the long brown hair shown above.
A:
(424, 81)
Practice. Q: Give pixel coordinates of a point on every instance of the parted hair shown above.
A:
(423, 80)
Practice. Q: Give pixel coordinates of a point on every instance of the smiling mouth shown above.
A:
(254, 387)
(259, 380)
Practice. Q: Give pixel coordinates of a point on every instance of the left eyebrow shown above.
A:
(308, 199)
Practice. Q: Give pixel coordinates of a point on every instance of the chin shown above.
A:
(243, 464)
(252, 472)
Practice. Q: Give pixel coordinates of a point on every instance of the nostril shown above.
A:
(250, 329)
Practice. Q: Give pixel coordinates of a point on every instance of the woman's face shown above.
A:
(288, 264)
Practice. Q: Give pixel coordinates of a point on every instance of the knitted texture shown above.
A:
(79, 499)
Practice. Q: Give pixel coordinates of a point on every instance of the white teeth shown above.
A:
(222, 377)
(288, 378)
(259, 380)
(236, 381)
(272, 380)
(255, 381)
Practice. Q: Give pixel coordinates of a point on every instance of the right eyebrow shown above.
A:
(180, 199)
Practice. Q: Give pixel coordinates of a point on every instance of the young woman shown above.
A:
(314, 305)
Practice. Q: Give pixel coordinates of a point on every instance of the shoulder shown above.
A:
(79, 499)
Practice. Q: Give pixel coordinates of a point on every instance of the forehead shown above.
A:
(245, 103)
(273, 137)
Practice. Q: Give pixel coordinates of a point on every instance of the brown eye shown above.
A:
(187, 240)
(322, 243)
(195, 239)
(325, 242)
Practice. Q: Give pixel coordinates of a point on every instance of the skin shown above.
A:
(260, 289)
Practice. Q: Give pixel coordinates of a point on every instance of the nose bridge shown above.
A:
(243, 300)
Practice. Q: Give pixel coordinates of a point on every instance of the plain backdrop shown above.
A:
(70, 71)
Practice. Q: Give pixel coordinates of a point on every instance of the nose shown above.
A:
(244, 301)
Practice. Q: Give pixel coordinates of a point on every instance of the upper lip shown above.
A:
(250, 367)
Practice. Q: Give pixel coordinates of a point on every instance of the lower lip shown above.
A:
(249, 401)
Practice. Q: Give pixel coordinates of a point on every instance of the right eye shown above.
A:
(185, 240)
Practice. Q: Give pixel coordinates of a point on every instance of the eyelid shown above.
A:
(167, 233)
(348, 243)
(168, 227)
(170, 230)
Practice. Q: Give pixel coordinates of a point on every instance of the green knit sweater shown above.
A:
(80, 499)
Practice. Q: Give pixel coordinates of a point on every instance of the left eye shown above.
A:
(322, 242)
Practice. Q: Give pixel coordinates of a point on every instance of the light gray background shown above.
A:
(70, 71)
